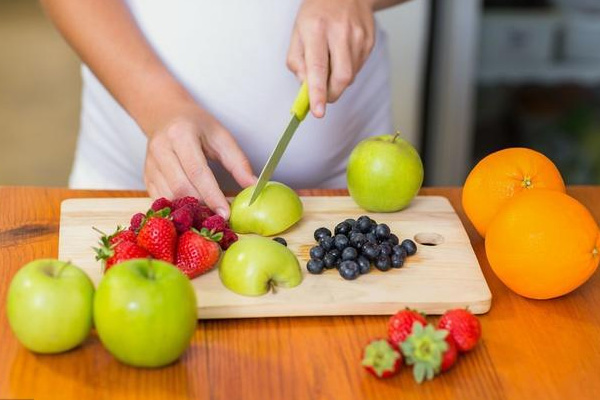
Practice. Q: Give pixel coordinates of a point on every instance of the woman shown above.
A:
(190, 97)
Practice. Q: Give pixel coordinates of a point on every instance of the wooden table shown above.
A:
(530, 349)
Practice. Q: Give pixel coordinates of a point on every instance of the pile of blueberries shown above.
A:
(355, 245)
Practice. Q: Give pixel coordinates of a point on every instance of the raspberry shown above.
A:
(160, 203)
(136, 222)
(200, 214)
(182, 201)
(216, 223)
(183, 218)
(229, 237)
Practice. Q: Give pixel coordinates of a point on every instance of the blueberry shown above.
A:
(317, 253)
(397, 249)
(341, 241)
(364, 224)
(315, 266)
(370, 250)
(409, 246)
(382, 231)
(329, 261)
(385, 249)
(383, 263)
(335, 253)
(393, 239)
(371, 237)
(326, 243)
(357, 239)
(280, 240)
(349, 253)
(364, 266)
(350, 222)
(321, 233)
(397, 260)
(342, 228)
(349, 270)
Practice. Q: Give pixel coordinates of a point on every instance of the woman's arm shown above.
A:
(181, 134)
(330, 43)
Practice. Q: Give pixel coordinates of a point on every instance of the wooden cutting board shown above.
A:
(443, 274)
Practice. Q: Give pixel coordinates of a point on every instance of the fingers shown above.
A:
(317, 66)
(342, 64)
(156, 183)
(231, 156)
(295, 57)
(200, 175)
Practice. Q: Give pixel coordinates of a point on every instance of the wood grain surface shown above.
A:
(530, 349)
(437, 278)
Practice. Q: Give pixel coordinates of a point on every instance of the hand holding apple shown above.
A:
(49, 306)
(384, 173)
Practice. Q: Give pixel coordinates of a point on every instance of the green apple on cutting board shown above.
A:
(49, 306)
(254, 265)
(384, 173)
(145, 312)
(276, 209)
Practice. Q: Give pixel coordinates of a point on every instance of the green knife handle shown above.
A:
(302, 103)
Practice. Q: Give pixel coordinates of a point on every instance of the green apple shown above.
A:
(276, 209)
(145, 312)
(254, 265)
(49, 306)
(384, 173)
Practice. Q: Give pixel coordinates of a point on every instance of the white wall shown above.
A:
(406, 26)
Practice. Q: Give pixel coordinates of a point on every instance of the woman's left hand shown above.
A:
(330, 43)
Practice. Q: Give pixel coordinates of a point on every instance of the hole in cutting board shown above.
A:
(429, 238)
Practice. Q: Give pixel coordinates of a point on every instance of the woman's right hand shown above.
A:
(177, 153)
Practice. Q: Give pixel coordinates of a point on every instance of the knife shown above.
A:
(299, 110)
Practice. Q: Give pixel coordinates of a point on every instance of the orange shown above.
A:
(543, 244)
(500, 176)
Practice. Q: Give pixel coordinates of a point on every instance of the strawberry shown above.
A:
(158, 236)
(160, 203)
(197, 252)
(122, 236)
(229, 238)
(424, 349)
(463, 326)
(450, 355)
(215, 223)
(381, 358)
(114, 253)
(401, 324)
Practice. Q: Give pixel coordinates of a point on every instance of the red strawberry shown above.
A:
(159, 237)
(450, 355)
(200, 214)
(401, 324)
(122, 236)
(112, 254)
(216, 223)
(197, 252)
(160, 204)
(463, 326)
(229, 238)
(136, 221)
(381, 358)
(182, 201)
(183, 218)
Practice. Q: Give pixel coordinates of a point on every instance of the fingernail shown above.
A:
(320, 110)
(222, 212)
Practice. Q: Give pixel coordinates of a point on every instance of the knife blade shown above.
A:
(299, 110)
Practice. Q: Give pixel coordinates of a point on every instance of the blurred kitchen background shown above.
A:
(469, 77)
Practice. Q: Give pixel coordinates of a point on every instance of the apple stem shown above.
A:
(151, 271)
(273, 287)
(396, 136)
(61, 268)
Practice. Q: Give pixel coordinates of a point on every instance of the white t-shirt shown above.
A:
(231, 56)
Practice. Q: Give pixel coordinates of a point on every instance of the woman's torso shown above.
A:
(231, 56)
